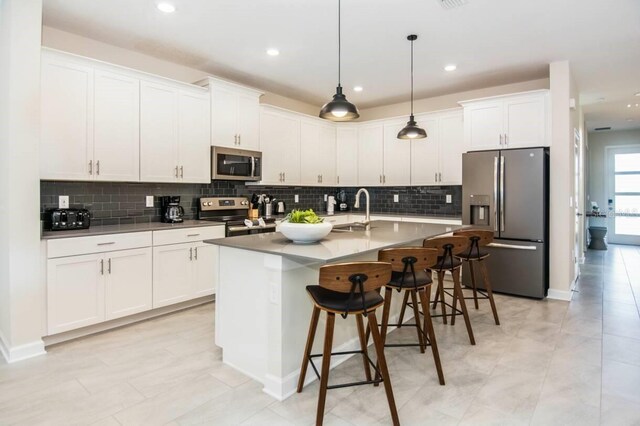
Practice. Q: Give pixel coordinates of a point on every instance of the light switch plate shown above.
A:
(396, 198)
(325, 197)
(448, 198)
(296, 199)
(149, 202)
(63, 202)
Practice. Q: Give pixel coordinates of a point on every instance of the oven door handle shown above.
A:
(253, 166)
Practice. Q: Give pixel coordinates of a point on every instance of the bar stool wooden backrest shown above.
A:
(447, 247)
(355, 278)
(477, 238)
(409, 259)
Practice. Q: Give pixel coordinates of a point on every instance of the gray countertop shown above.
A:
(121, 229)
(339, 245)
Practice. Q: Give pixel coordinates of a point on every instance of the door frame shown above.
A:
(609, 182)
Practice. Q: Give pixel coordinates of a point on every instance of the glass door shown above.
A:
(624, 195)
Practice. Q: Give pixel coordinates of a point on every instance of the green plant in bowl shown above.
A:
(303, 216)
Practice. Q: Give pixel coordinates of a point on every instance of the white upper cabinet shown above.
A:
(116, 127)
(425, 153)
(347, 155)
(317, 153)
(174, 134)
(514, 121)
(370, 154)
(451, 148)
(235, 114)
(280, 144)
(397, 155)
(66, 145)
(194, 149)
(158, 132)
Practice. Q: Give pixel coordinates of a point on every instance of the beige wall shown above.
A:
(83, 46)
(22, 291)
(598, 142)
(449, 101)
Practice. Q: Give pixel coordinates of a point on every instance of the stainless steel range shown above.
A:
(232, 211)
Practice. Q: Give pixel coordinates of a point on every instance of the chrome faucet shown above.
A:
(356, 205)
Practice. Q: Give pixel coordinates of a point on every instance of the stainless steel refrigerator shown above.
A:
(508, 191)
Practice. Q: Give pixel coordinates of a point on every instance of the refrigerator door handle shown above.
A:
(501, 194)
(495, 194)
(511, 246)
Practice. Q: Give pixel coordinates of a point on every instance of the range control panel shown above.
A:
(220, 203)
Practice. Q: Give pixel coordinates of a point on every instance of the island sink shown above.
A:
(350, 227)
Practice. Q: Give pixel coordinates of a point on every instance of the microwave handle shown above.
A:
(253, 166)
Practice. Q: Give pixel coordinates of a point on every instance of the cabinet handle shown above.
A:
(196, 253)
(98, 167)
(235, 139)
(239, 139)
(181, 171)
(101, 266)
(192, 235)
(109, 266)
(107, 244)
(506, 140)
(338, 180)
(500, 139)
(384, 178)
(90, 167)
(435, 176)
(439, 177)
(176, 169)
(284, 177)
(380, 178)
(191, 253)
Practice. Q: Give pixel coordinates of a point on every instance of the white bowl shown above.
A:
(305, 233)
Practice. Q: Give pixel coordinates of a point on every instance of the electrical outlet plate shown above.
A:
(296, 198)
(396, 198)
(448, 198)
(325, 197)
(63, 202)
(149, 201)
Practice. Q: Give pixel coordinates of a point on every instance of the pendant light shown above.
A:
(411, 130)
(339, 108)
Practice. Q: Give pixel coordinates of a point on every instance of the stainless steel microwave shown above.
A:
(235, 164)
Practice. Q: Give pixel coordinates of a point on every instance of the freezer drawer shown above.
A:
(515, 267)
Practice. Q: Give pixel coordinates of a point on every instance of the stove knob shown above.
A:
(209, 203)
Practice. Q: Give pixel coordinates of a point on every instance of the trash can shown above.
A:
(597, 234)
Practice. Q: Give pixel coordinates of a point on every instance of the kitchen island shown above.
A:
(262, 308)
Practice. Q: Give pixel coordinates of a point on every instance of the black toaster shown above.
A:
(65, 219)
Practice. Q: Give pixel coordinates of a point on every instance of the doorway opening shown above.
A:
(623, 194)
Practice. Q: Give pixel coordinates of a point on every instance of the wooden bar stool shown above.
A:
(447, 248)
(348, 289)
(409, 274)
(478, 238)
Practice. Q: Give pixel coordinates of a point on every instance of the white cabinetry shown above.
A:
(370, 154)
(184, 270)
(397, 155)
(437, 160)
(347, 156)
(317, 153)
(88, 289)
(515, 121)
(235, 115)
(90, 121)
(174, 134)
(280, 142)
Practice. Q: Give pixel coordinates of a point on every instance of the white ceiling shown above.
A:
(492, 41)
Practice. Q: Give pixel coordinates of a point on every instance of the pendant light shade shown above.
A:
(411, 130)
(339, 108)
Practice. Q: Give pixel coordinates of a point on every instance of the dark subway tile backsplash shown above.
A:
(114, 203)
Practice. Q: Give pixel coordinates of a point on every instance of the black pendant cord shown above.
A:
(412, 79)
(339, 45)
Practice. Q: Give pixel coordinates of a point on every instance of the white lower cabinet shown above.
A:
(88, 289)
(172, 270)
(205, 269)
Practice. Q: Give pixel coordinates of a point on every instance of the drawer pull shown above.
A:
(193, 235)
(106, 244)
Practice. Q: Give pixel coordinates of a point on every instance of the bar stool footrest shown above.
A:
(350, 384)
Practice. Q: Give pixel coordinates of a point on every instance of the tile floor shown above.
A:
(549, 362)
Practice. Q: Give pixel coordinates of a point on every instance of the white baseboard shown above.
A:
(22, 352)
(560, 294)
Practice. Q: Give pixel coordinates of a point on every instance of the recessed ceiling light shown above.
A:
(357, 88)
(628, 105)
(450, 67)
(166, 7)
(638, 94)
(273, 52)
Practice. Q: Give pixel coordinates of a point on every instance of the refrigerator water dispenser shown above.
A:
(480, 210)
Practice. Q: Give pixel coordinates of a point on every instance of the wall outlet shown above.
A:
(149, 201)
(448, 198)
(396, 198)
(296, 198)
(63, 202)
(325, 198)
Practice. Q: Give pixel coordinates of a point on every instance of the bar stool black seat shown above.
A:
(348, 289)
(475, 254)
(409, 275)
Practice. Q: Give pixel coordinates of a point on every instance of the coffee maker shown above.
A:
(342, 200)
(172, 211)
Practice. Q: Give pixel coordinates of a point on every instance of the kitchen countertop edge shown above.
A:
(124, 229)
